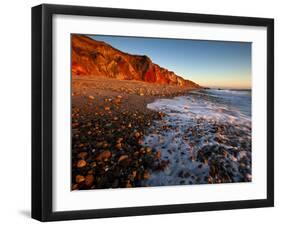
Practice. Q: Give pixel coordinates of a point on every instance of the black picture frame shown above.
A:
(42, 111)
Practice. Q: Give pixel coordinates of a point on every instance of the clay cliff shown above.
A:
(96, 58)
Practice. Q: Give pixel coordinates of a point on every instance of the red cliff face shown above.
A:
(96, 58)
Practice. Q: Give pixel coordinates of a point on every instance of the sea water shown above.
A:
(213, 123)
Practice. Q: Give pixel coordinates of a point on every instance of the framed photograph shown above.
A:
(146, 112)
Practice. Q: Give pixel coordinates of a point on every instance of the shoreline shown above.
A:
(109, 121)
(202, 140)
(118, 141)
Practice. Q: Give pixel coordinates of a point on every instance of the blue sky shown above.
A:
(209, 63)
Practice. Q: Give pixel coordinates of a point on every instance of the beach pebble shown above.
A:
(134, 173)
(118, 145)
(74, 187)
(79, 179)
(128, 184)
(104, 155)
(81, 163)
(89, 180)
(82, 155)
(119, 140)
(91, 97)
(122, 158)
(148, 149)
(158, 154)
(146, 175)
(137, 135)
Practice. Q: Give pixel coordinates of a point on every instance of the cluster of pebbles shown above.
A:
(106, 149)
(108, 127)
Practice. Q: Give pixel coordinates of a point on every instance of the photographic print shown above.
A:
(159, 112)
(130, 106)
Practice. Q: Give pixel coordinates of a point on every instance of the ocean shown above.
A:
(204, 137)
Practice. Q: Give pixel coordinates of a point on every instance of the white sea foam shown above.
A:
(195, 106)
(202, 120)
